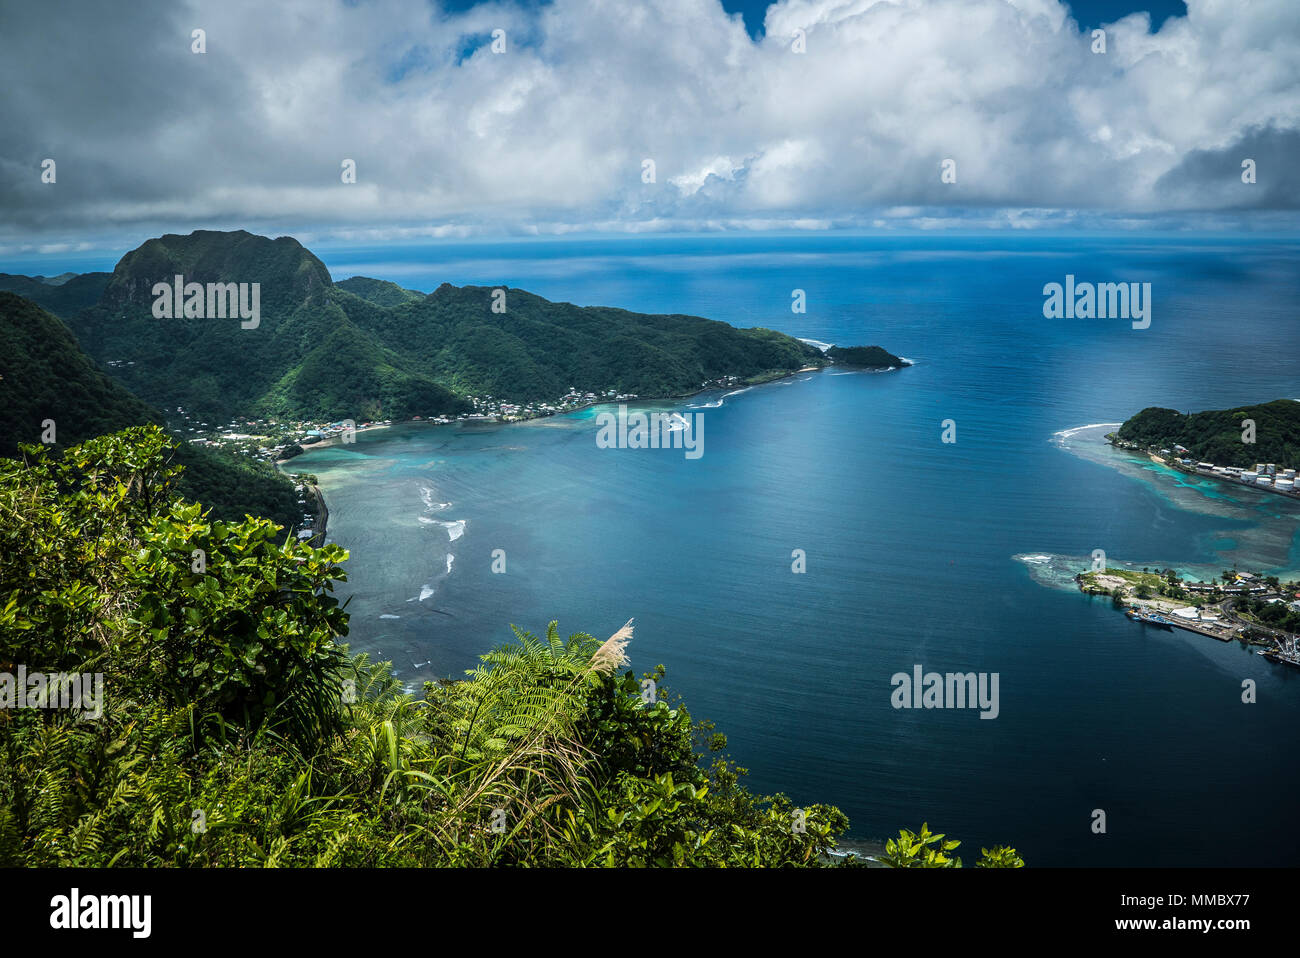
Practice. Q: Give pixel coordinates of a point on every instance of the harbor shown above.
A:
(1224, 611)
(1220, 632)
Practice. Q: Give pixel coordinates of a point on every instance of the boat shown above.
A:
(1149, 618)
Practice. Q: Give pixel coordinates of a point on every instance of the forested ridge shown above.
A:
(367, 348)
(46, 378)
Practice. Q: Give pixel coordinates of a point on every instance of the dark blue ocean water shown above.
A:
(909, 541)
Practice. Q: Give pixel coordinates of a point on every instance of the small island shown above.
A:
(867, 357)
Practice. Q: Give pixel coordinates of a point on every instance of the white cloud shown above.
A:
(549, 137)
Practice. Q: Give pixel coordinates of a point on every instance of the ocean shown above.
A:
(917, 551)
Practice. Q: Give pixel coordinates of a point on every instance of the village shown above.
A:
(271, 440)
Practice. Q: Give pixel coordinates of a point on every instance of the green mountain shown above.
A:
(379, 291)
(63, 295)
(1216, 435)
(537, 350)
(44, 376)
(365, 348)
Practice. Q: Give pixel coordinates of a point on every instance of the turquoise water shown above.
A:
(909, 542)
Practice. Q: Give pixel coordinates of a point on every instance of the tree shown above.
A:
(928, 850)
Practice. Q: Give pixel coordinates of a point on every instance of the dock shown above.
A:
(1222, 633)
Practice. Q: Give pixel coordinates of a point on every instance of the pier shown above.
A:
(1224, 633)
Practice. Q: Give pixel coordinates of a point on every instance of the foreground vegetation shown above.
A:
(237, 730)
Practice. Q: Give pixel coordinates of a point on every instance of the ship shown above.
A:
(1149, 618)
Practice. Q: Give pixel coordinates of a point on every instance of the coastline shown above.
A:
(1185, 603)
(322, 518)
(1217, 477)
(762, 379)
(336, 438)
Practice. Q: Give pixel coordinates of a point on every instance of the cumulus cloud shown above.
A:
(450, 137)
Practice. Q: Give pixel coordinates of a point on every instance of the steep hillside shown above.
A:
(536, 349)
(44, 375)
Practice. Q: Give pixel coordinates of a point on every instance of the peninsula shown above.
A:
(321, 359)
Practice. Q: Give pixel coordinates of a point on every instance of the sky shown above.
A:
(1089, 14)
(610, 116)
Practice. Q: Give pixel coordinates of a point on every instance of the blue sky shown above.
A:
(606, 116)
(1089, 13)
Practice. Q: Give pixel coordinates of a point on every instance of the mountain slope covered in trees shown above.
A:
(1216, 435)
(63, 299)
(365, 348)
(45, 377)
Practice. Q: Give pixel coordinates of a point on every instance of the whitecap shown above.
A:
(1067, 433)
(816, 342)
(426, 494)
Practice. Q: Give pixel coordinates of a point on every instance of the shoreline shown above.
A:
(1120, 580)
(337, 438)
(1217, 477)
(334, 439)
(1223, 625)
(761, 379)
